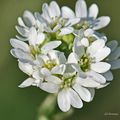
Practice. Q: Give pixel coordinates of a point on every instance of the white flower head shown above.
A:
(62, 53)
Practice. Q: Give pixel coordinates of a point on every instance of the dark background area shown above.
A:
(23, 104)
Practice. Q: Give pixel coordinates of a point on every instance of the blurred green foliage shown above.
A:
(23, 104)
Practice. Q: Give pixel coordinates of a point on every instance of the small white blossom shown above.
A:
(69, 87)
(89, 60)
(88, 19)
(113, 59)
(34, 75)
(53, 20)
(36, 45)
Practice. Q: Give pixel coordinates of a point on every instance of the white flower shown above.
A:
(89, 60)
(69, 87)
(25, 24)
(53, 20)
(88, 18)
(35, 78)
(113, 59)
(86, 37)
(36, 45)
(53, 61)
(50, 61)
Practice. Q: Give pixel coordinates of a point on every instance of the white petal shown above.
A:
(39, 61)
(97, 77)
(66, 30)
(58, 69)
(88, 32)
(21, 54)
(83, 92)
(93, 11)
(81, 9)
(22, 31)
(100, 67)
(95, 46)
(115, 54)
(63, 100)
(54, 10)
(108, 75)
(26, 68)
(72, 21)
(50, 46)
(85, 42)
(45, 15)
(40, 38)
(21, 38)
(87, 82)
(62, 58)
(40, 18)
(102, 54)
(67, 12)
(32, 36)
(20, 22)
(72, 58)
(37, 75)
(115, 64)
(78, 49)
(43, 58)
(112, 45)
(45, 72)
(101, 22)
(29, 18)
(92, 92)
(54, 55)
(28, 82)
(53, 79)
(19, 44)
(102, 86)
(49, 87)
(69, 70)
(75, 99)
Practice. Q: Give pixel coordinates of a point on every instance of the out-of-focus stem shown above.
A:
(47, 110)
(62, 115)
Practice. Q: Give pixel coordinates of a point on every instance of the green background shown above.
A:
(23, 104)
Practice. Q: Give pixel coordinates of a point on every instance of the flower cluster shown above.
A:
(63, 53)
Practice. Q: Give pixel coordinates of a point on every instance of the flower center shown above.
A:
(85, 63)
(54, 23)
(83, 24)
(35, 50)
(50, 64)
(67, 41)
(68, 81)
(91, 39)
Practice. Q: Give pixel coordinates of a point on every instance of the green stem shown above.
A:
(47, 110)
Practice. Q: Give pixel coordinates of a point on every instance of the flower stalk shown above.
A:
(47, 110)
